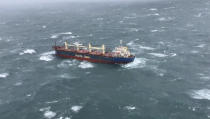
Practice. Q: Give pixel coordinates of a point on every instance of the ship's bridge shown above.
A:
(122, 51)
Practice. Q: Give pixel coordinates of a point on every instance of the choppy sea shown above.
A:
(169, 79)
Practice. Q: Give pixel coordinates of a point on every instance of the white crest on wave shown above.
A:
(4, 75)
(130, 108)
(201, 94)
(153, 31)
(153, 9)
(47, 56)
(49, 114)
(76, 108)
(67, 63)
(201, 45)
(85, 65)
(28, 51)
(64, 118)
(136, 46)
(158, 54)
(44, 26)
(154, 14)
(137, 63)
(65, 33)
(165, 19)
(56, 35)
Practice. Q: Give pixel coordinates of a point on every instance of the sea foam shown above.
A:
(49, 114)
(4, 75)
(165, 19)
(153, 9)
(28, 51)
(137, 63)
(56, 35)
(47, 56)
(67, 63)
(130, 108)
(76, 108)
(158, 54)
(65, 33)
(154, 14)
(201, 94)
(201, 45)
(136, 46)
(85, 65)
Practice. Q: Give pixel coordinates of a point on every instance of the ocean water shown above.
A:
(169, 79)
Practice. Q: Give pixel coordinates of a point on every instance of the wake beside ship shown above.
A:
(120, 54)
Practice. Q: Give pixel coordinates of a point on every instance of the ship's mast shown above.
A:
(121, 43)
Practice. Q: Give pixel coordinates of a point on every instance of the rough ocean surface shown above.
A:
(169, 79)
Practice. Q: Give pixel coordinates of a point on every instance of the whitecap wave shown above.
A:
(158, 54)
(47, 56)
(131, 43)
(129, 17)
(44, 26)
(65, 76)
(64, 117)
(146, 47)
(49, 114)
(173, 54)
(56, 35)
(154, 14)
(67, 63)
(201, 45)
(169, 8)
(70, 37)
(130, 108)
(136, 46)
(18, 84)
(4, 75)
(153, 9)
(85, 65)
(50, 102)
(28, 51)
(44, 109)
(153, 31)
(198, 15)
(205, 78)
(137, 63)
(76, 108)
(201, 94)
(67, 118)
(165, 19)
(65, 33)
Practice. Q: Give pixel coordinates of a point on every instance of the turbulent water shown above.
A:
(169, 79)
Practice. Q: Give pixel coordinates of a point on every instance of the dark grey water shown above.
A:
(169, 78)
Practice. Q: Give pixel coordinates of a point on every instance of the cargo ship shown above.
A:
(120, 54)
